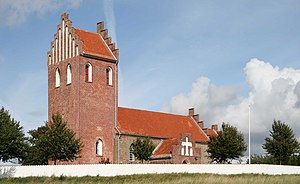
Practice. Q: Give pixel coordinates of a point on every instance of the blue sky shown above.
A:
(217, 56)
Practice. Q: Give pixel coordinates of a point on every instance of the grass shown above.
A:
(163, 178)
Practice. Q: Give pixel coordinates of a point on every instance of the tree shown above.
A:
(262, 159)
(143, 148)
(12, 139)
(61, 142)
(282, 143)
(229, 144)
(36, 152)
(54, 141)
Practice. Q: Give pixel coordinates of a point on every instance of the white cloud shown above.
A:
(297, 93)
(17, 11)
(207, 98)
(110, 18)
(274, 94)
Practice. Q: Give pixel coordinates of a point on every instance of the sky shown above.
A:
(216, 56)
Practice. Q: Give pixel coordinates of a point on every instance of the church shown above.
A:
(83, 87)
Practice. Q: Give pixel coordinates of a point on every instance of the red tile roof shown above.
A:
(94, 44)
(156, 124)
(210, 132)
(165, 147)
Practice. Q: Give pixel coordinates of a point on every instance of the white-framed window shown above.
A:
(99, 147)
(109, 76)
(131, 155)
(69, 74)
(88, 72)
(57, 78)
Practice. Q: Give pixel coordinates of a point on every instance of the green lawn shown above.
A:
(163, 178)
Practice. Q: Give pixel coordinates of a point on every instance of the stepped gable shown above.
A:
(156, 124)
(165, 148)
(210, 132)
(70, 42)
(104, 34)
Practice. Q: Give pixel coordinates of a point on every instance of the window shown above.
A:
(109, 76)
(88, 72)
(69, 74)
(57, 78)
(99, 145)
(131, 155)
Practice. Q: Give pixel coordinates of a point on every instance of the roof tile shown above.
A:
(94, 44)
(210, 132)
(156, 124)
(165, 147)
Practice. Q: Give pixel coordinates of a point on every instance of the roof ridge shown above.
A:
(85, 30)
(155, 112)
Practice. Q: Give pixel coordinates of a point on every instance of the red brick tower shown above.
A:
(83, 87)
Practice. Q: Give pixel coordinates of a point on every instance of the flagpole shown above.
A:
(249, 137)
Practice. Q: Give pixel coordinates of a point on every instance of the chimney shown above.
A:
(191, 111)
(214, 127)
(201, 124)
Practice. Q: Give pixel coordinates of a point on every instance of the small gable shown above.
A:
(165, 147)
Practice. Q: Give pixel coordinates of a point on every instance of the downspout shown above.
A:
(116, 115)
(119, 135)
(115, 89)
(79, 84)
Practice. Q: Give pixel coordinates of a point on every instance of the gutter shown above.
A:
(98, 57)
(118, 145)
(116, 111)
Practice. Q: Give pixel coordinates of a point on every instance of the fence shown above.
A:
(128, 169)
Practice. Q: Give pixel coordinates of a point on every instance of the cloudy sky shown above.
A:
(217, 56)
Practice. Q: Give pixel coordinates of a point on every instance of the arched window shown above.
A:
(99, 146)
(57, 78)
(88, 72)
(131, 155)
(109, 76)
(69, 74)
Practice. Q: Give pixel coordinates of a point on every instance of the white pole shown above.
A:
(249, 138)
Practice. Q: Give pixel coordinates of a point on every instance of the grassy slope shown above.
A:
(163, 178)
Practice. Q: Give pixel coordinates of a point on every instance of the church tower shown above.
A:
(83, 87)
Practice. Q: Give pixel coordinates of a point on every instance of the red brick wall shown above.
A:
(89, 108)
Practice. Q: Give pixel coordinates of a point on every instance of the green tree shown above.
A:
(262, 159)
(12, 139)
(54, 141)
(229, 144)
(143, 148)
(36, 152)
(60, 141)
(282, 143)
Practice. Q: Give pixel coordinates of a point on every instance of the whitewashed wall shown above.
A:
(128, 169)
